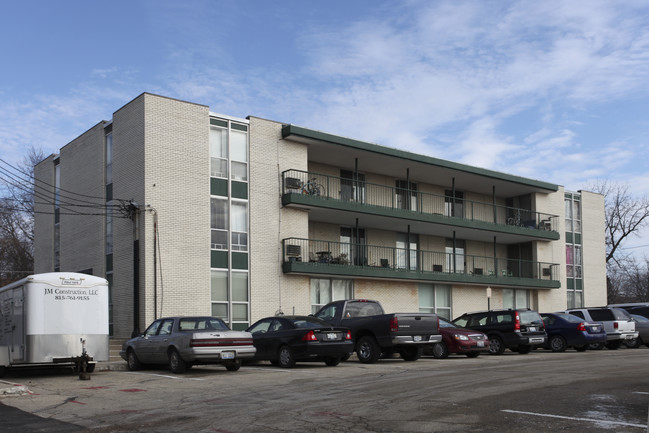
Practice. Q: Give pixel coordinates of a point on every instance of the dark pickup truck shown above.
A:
(376, 333)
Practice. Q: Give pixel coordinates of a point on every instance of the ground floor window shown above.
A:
(435, 298)
(516, 298)
(325, 290)
(230, 298)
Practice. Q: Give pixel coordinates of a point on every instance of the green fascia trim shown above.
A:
(307, 200)
(239, 190)
(219, 259)
(368, 272)
(292, 130)
(239, 260)
(218, 187)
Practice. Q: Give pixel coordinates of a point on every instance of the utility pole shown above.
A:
(131, 210)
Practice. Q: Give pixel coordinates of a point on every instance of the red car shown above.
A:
(458, 340)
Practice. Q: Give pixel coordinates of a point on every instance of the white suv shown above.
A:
(618, 324)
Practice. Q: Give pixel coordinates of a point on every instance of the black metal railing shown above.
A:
(330, 253)
(328, 187)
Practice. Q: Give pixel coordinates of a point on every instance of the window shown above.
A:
(239, 155)
(406, 252)
(574, 259)
(406, 195)
(352, 186)
(325, 290)
(435, 298)
(454, 204)
(352, 243)
(219, 224)
(220, 295)
(218, 152)
(455, 255)
(239, 226)
(109, 158)
(516, 298)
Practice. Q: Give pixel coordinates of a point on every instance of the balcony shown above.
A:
(319, 257)
(324, 192)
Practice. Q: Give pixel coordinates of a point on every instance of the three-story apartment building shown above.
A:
(243, 218)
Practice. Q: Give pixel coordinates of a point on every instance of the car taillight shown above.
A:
(517, 325)
(615, 325)
(309, 336)
(349, 335)
(581, 327)
(394, 324)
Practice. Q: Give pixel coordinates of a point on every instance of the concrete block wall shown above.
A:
(82, 165)
(270, 155)
(44, 216)
(594, 249)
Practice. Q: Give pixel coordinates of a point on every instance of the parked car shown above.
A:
(640, 308)
(518, 330)
(182, 342)
(618, 324)
(458, 340)
(566, 330)
(642, 326)
(379, 334)
(283, 340)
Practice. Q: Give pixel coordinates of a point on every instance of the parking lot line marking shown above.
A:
(166, 375)
(597, 421)
(640, 392)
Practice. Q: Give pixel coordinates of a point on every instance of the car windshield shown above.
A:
(620, 314)
(639, 318)
(530, 317)
(202, 324)
(445, 324)
(602, 315)
(309, 322)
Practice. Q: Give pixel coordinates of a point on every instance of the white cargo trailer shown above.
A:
(52, 318)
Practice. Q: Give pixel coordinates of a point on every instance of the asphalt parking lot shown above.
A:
(594, 391)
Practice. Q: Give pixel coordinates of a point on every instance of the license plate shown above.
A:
(331, 336)
(480, 344)
(227, 355)
(532, 329)
(628, 337)
(536, 340)
(418, 338)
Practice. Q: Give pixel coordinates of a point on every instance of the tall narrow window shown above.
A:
(218, 152)
(239, 154)
(455, 255)
(454, 204)
(406, 251)
(353, 244)
(219, 224)
(239, 226)
(574, 259)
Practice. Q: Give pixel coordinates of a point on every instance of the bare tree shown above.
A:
(625, 216)
(17, 218)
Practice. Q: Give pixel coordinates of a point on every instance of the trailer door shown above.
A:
(18, 325)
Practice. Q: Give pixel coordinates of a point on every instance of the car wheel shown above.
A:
(524, 350)
(596, 346)
(613, 345)
(285, 357)
(633, 344)
(472, 354)
(368, 350)
(332, 362)
(132, 362)
(496, 345)
(440, 351)
(410, 353)
(558, 343)
(581, 348)
(233, 365)
(176, 363)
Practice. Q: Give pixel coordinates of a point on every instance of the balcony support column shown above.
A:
(494, 204)
(495, 258)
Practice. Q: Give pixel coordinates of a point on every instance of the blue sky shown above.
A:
(551, 90)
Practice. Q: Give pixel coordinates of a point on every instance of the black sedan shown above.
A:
(283, 340)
